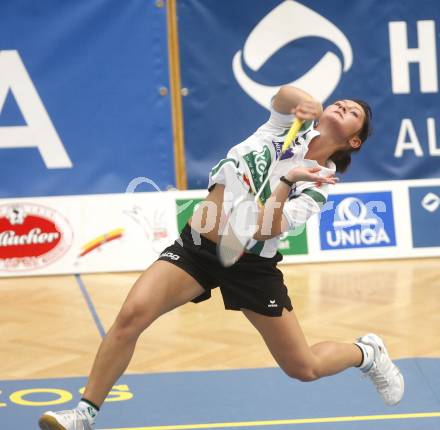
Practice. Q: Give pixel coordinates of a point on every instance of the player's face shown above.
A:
(347, 115)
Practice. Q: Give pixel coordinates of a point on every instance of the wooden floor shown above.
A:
(47, 330)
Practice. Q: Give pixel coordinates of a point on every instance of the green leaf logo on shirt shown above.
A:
(259, 163)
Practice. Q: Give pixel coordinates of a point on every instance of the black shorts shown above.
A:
(253, 282)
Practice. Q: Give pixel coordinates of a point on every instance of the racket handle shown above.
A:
(297, 124)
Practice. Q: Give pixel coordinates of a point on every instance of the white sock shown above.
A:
(89, 410)
(368, 356)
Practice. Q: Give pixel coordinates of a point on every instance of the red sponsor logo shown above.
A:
(31, 236)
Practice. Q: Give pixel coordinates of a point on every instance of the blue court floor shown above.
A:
(244, 399)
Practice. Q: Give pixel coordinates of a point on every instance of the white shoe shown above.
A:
(384, 374)
(72, 419)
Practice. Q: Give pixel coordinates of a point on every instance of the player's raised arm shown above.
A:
(290, 99)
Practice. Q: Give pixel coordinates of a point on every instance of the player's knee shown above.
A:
(132, 320)
(303, 373)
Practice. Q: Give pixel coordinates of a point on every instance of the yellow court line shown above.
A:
(289, 422)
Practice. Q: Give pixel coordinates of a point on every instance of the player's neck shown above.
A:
(320, 149)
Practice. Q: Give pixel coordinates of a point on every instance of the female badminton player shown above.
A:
(190, 268)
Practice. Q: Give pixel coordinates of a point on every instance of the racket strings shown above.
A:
(231, 248)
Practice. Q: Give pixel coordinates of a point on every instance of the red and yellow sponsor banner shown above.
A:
(83, 234)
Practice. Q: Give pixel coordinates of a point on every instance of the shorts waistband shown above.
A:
(188, 234)
(194, 238)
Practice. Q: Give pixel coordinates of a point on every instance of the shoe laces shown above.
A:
(378, 377)
(78, 416)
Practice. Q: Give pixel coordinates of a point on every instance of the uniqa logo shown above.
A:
(352, 213)
(288, 22)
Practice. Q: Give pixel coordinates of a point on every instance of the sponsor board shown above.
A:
(184, 210)
(85, 234)
(32, 236)
(127, 232)
(153, 222)
(294, 242)
(361, 220)
(425, 216)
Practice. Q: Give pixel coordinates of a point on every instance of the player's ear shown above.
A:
(355, 142)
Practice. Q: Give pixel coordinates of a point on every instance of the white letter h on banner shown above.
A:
(401, 56)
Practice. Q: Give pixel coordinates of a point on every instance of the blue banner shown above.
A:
(425, 216)
(364, 220)
(80, 104)
(235, 55)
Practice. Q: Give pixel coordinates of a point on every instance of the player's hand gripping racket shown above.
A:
(241, 222)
